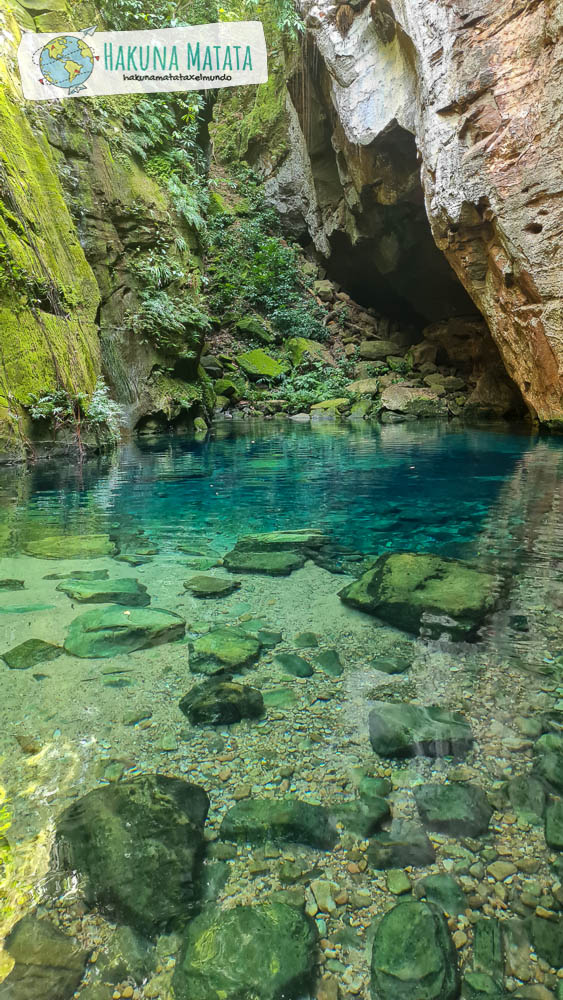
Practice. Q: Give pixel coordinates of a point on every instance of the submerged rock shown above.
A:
(270, 563)
(554, 825)
(218, 703)
(31, 652)
(79, 574)
(266, 951)
(413, 955)
(110, 631)
(285, 820)
(210, 586)
(223, 650)
(443, 891)
(547, 939)
(295, 665)
(126, 954)
(413, 590)
(306, 540)
(458, 809)
(71, 547)
(48, 964)
(126, 591)
(527, 797)
(405, 844)
(548, 752)
(138, 844)
(329, 661)
(362, 817)
(12, 585)
(398, 729)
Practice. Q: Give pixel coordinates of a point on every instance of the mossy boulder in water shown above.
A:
(548, 753)
(79, 574)
(457, 809)
(362, 817)
(554, 825)
(48, 963)
(71, 547)
(110, 631)
(268, 563)
(138, 844)
(413, 590)
(257, 364)
(266, 951)
(547, 939)
(443, 891)
(219, 703)
(31, 652)
(295, 665)
(223, 650)
(286, 820)
(12, 585)
(210, 586)
(413, 955)
(397, 729)
(307, 540)
(127, 591)
(405, 844)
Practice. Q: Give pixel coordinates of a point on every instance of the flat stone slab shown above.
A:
(299, 540)
(217, 703)
(223, 650)
(126, 591)
(271, 563)
(398, 729)
(31, 652)
(12, 585)
(418, 591)
(267, 951)
(138, 844)
(458, 809)
(79, 574)
(413, 955)
(293, 664)
(109, 631)
(210, 586)
(286, 820)
(71, 547)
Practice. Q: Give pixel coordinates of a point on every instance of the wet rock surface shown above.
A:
(416, 590)
(157, 821)
(413, 955)
(218, 703)
(266, 950)
(404, 730)
(48, 964)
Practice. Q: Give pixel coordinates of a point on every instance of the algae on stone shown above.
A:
(126, 591)
(284, 820)
(413, 955)
(110, 630)
(415, 590)
(27, 654)
(138, 844)
(217, 703)
(223, 650)
(71, 547)
(257, 364)
(210, 586)
(267, 951)
(398, 729)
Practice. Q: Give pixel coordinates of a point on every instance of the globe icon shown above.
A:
(67, 62)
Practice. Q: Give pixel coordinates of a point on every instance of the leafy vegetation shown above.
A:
(66, 410)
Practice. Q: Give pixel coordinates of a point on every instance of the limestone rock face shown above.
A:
(446, 113)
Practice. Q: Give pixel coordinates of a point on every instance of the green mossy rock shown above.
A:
(443, 891)
(295, 665)
(548, 753)
(211, 586)
(282, 820)
(257, 364)
(217, 703)
(398, 729)
(253, 326)
(374, 788)
(126, 955)
(362, 816)
(306, 640)
(31, 652)
(266, 951)
(329, 661)
(138, 843)
(306, 540)
(527, 797)
(71, 547)
(488, 947)
(301, 349)
(330, 408)
(268, 563)
(461, 810)
(227, 388)
(411, 590)
(391, 664)
(554, 825)
(480, 986)
(413, 955)
(48, 964)
(12, 585)
(223, 650)
(405, 844)
(109, 631)
(547, 939)
(126, 591)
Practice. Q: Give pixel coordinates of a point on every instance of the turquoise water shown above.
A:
(174, 507)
